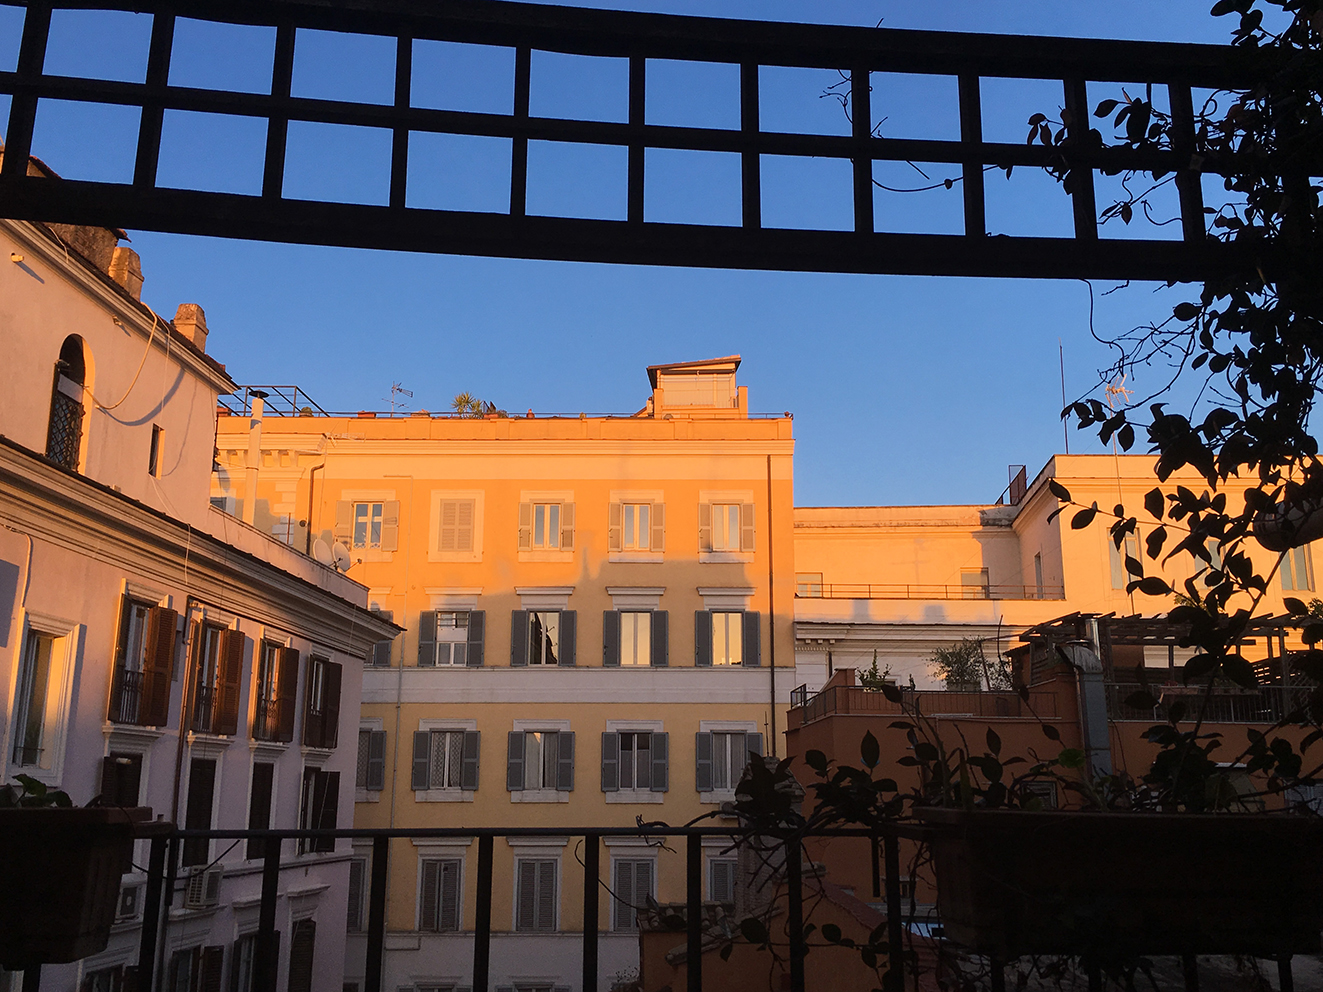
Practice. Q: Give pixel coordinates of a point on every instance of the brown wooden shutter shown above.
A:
(158, 667)
(328, 809)
(287, 691)
(213, 960)
(302, 946)
(331, 703)
(232, 647)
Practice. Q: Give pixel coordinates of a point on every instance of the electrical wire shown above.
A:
(150, 338)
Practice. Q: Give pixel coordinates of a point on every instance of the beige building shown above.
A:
(155, 651)
(598, 616)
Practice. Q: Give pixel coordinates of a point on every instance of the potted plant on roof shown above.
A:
(62, 865)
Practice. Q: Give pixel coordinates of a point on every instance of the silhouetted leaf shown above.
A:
(1186, 311)
(1141, 701)
(1295, 606)
(1198, 666)
(869, 751)
(925, 751)
(1058, 490)
(1071, 757)
(817, 761)
(831, 933)
(994, 742)
(753, 930)
(892, 692)
(1084, 517)
(1239, 671)
(1155, 502)
(1050, 732)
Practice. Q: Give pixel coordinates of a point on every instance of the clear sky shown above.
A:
(904, 389)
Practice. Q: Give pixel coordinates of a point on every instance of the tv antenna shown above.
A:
(397, 389)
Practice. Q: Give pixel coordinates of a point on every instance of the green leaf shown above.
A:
(869, 751)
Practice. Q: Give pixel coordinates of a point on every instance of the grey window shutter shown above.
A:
(422, 749)
(721, 883)
(610, 638)
(427, 639)
(752, 638)
(702, 638)
(376, 762)
(468, 773)
(661, 750)
(546, 895)
(746, 527)
(525, 526)
(518, 638)
(703, 762)
(753, 743)
(610, 762)
(565, 761)
(614, 527)
(661, 620)
(344, 523)
(477, 637)
(354, 916)
(658, 527)
(568, 628)
(526, 901)
(390, 525)
(642, 884)
(567, 526)
(704, 526)
(381, 654)
(428, 897)
(448, 908)
(624, 902)
(514, 762)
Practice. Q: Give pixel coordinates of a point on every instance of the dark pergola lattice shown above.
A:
(143, 205)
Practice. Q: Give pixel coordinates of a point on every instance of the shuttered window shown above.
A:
(302, 955)
(540, 759)
(266, 707)
(546, 526)
(370, 773)
(121, 776)
(635, 760)
(446, 759)
(727, 637)
(144, 663)
(721, 757)
(321, 710)
(354, 915)
(438, 908)
(197, 810)
(633, 887)
(721, 879)
(543, 637)
(456, 525)
(726, 527)
(319, 808)
(451, 637)
(536, 898)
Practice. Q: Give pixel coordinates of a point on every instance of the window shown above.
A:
(633, 888)
(197, 810)
(259, 806)
(318, 808)
(1044, 792)
(451, 637)
(721, 757)
(107, 980)
(725, 527)
(546, 526)
(721, 879)
(243, 964)
(367, 525)
(381, 651)
(121, 777)
(542, 637)
(65, 433)
(1130, 548)
(438, 895)
(637, 526)
(302, 954)
(456, 525)
(540, 760)
(154, 452)
(144, 662)
(635, 638)
(371, 770)
(355, 918)
(31, 702)
(1298, 569)
(635, 760)
(727, 637)
(196, 969)
(808, 585)
(974, 583)
(266, 706)
(535, 898)
(218, 668)
(445, 759)
(321, 703)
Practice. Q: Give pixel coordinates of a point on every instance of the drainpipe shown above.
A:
(311, 484)
(1092, 695)
(254, 455)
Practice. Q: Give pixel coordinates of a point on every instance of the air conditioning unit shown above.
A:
(203, 888)
(129, 897)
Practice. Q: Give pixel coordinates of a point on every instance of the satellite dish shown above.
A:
(321, 552)
(342, 559)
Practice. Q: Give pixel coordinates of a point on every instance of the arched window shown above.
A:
(66, 426)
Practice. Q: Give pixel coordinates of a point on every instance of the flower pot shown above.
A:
(61, 869)
(1012, 883)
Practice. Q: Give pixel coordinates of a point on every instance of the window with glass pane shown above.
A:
(725, 527)
(1297, 569)
(31, 699)
(636, 760)
(244, 964)
(541, 753)
(447, 759)
(727, 638)
(636, 638)
(546, 525)
(367, 525)
(729, 756)
(266, 714)
(543, 638)
(206, 702)
(637, 526)
(452, 638)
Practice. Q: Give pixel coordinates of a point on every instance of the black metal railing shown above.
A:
(863, 701)
(204, 708)
(1264, 704)
(916, 590)
(126, 696)
(266, 719)
(165, 843)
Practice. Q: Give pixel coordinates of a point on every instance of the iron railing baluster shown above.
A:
(482, 922)
(376, 929)
(895, 911)
(266, 969)
(795, 913)
(694, 912)
(592, 874)
(151, 913)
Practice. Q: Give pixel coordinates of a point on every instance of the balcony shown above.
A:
(860, 701)
(266, 720)
(204, 709)
(873, 590)
(126, 697)
(1225, 704)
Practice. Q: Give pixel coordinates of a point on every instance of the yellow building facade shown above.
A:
(598, 616)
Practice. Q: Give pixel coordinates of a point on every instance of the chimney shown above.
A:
(258, 400)
(126, 269)
(191, 322)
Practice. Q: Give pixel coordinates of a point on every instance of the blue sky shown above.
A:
(904, 389)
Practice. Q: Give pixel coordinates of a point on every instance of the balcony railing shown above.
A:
(873, 590)
(266, 720)
(860, 701)
(204, 709)
(1226, 704)
(126, 696)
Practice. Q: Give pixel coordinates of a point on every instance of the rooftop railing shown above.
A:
(862, 701)
(1265, 704)
(904, 590)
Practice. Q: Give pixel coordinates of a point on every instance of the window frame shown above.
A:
(27, 699)
(635, 527)
(629, 910)
(538, 643)
(738, 624)
(434, 924)
(376, 514)
(639, 637)
(553, 925)
(1297, 560)
(723, 543)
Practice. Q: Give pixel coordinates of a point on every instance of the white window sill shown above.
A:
(716, 557)
(443, 796)
(555, 555)
(367, 796)
(635, 796)
(717, 797)
(315, 755)
(645, 557)
(539, 796)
